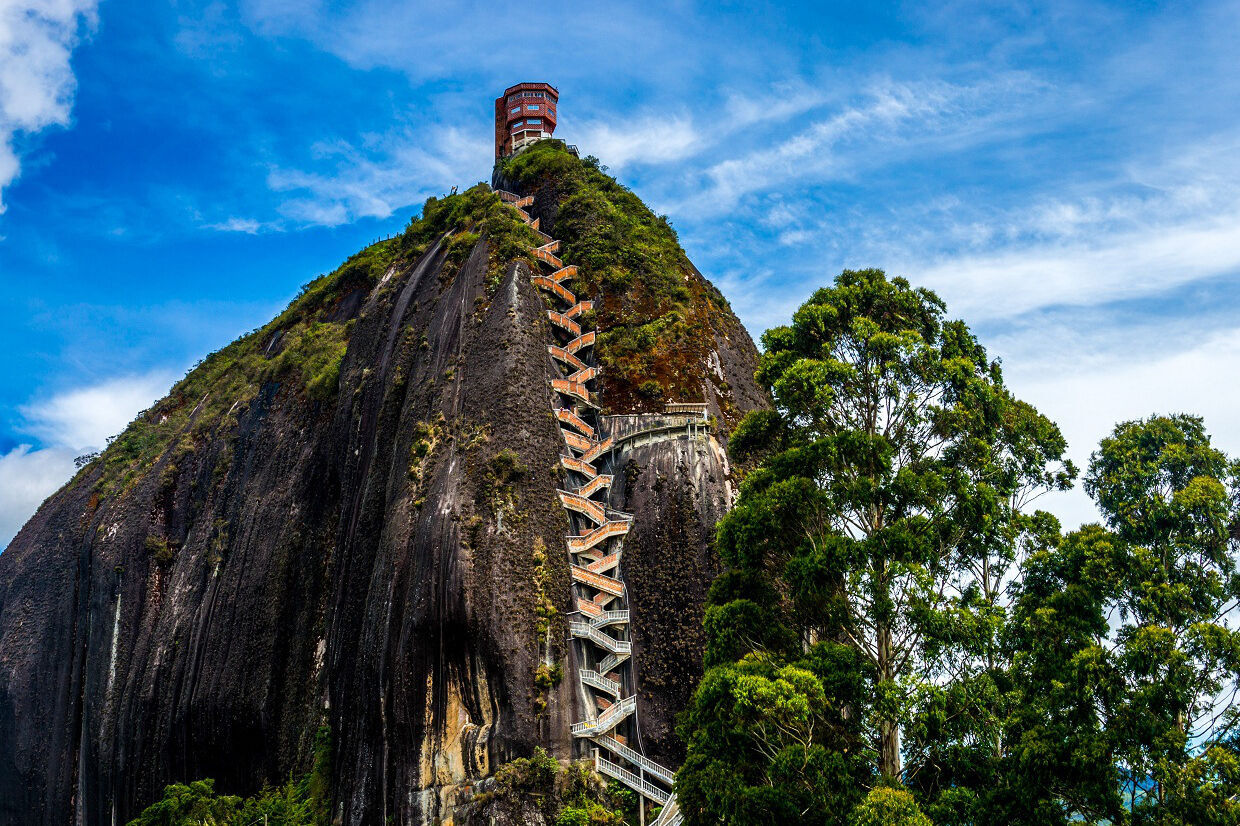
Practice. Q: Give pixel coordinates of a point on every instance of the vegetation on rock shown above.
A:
(656, 316)
(303, 348)
(303, 802)
(561, 794)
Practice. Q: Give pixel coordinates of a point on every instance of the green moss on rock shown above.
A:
(304, 347)
(656, 315)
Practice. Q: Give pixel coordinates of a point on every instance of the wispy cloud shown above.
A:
(27, 477)
(1111, 268)
(880, 127)
(36, 81)
(648, 139)
(1087, 399)
(393, 171)
(245, 226)
(66, 424)
(83, 418)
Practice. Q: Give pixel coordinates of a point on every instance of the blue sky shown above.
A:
(1064, 174)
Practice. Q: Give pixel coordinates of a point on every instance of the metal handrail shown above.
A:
(599, 681)
(604, 583)
(606, 721)
(643, 787)
(611, 661)
(636, 757)
(613, 645)
(586, 541)
(670, 816)
(606, 618)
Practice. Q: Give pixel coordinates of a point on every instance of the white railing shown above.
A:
(611, 523)
(635, 757)
(643, 787)
(599, 681)
(584, 506)
(609, 618)
(606, 721)
(670, 816)
(573, 463)
(588, 631)
(582, 340)
(557, 288)
(584, 542)
(610, 662)
(569, 417)
(604, 564)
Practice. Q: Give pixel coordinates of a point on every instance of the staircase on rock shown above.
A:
(600, 624)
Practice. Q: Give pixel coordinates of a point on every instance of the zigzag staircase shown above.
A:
(595, 549)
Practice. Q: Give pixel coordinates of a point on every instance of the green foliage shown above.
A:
(159, 549)
(507, 467)
(425, 437)
(303, 802)
(656, 316)
(1123, 654)
(303, 347)
(548, 676)
(588, 814)
(473, 214)
(570, 794)
(315, 787)
(775, 744)
(314, 352)
(886, 806)
(1003, 672)
(888, 507)
(458, 248)
(1170, 500)
(193, 804)
(197, 804)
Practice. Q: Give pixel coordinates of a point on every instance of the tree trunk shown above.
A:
(888, 729)
(889, 759)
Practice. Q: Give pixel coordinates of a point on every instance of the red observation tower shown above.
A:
(525, 113)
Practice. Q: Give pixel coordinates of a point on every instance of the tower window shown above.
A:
(534, 121)
(531, 107)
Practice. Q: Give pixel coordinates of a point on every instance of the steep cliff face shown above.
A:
(680, 488)
(346, 519)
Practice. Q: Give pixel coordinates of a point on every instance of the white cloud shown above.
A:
(1113, 267)
(460, 40)
(375, 180)
(784, 99)
(247, 226)
(887, 121)
(36, 80)
(67, 425)
(84, 418)
(1150, 227)
(27, 477)
(1088, 397)
(651, 139)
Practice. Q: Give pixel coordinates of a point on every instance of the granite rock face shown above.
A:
(367, 563)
